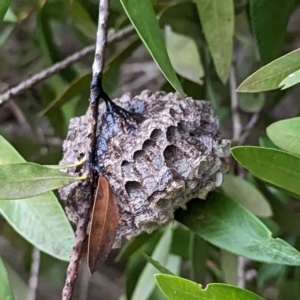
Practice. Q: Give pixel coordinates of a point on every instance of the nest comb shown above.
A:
(167, 151)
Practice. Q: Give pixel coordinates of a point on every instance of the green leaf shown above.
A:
(4, 5)
(73, 89)
(146, 284)
(10, 16)
(270, 76)
(19, 287)
(45, 224)
(47, 42)
(286, 135)
(184, 55)
(271, 165)
(229, 266)
(217, 19)
(292, 79)
(226, 224)
(4, 35)
(82, 20)
(133, 245)
(157, 265)
(184, 20)
(251, 103)
(247, 195)
(269, 20)
(176, 288)
(198, 255)
(5, 289)
(24, 180)
(142, 17)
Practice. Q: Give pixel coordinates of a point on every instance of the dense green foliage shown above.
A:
(243, 241)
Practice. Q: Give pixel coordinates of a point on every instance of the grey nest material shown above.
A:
(174, 154)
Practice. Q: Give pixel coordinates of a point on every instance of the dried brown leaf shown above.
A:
(104, 224)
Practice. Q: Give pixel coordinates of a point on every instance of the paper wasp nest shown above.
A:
(173, 155)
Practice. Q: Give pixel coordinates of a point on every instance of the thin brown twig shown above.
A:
(54, 69)
(84, 210)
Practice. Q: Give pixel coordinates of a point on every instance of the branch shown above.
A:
(54, 69)
(92, 114)
(247, 129)
(236, 118)
(34, 274)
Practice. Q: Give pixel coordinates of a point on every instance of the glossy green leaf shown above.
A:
(142, 17)
(4, 5)
(271, 165)
(146, 283)
(5, 289)
(184, 55)
(286, 135)
(247, 195)
(157, 265)
(269, 20)
(82, 20)
(24, 180)
(45, 224)
(290, 80)
(177, 288)
(270, 76)
(226, 224)
(217, 19)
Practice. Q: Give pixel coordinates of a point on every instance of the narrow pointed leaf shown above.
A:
(146, 283)
(177, 288)
(142, 17)
(271, 165)
(226, 224)
(104, 224)
(82, 20)
(4, 5)
(270, 76)
(247, 195)
(19, 287)
(286, 135)
(73, 89)
(5, 289)
(134, 245)
(157, 265)
(40, 219)
(269, 19)
(24, 180)
(217, 19)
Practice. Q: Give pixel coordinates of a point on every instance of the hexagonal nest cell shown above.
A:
(172, 155)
